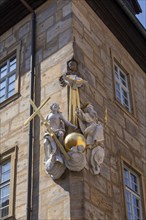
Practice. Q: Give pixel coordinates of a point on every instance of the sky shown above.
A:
(142, 16)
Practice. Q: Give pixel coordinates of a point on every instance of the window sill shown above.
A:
(131, 115)
(8, 218)
(9, 100)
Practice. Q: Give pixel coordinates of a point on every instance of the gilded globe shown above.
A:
(73, 140)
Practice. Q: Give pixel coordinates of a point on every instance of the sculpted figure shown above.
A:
(53, 157)
(71, 78)
(96, 159)
(74, 82)
(75, 144)
(93, 132)
(57, 122)
(91, 128)
(77, 159)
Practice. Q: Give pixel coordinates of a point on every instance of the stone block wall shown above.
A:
(12, 131)
(65, 28)
(95, 48)
(50, 198)
(53, 50)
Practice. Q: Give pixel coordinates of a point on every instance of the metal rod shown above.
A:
(29, 180)
(30, 142)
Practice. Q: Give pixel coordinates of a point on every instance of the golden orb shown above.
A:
(73, 140)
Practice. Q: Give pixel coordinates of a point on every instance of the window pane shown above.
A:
(117, 75)
(135, 202)
(12, 61)
(128, 199)
(8, 78)
(3, 70)
(130, 216)
(5, 191)
(123, 79)
(134, 183)
(5, 201)
(136, 208)
(6, 176)
(125, 98)
(129, 205)
(3, 84)
(2, 92)
(133, 199)
(11, 86)
(121, 87)
(13, 64)
(5, 167)
(2, 99)
(4, 188)
(117, 86)
(11, 93)
(126, 177)
(118, 95)
(12, 78)
(116, 68)
(125, 101)
(124, 93)
(4, 212)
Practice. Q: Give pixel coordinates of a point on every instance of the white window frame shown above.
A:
(7, 76)
(130, 206)
(4, 184)
(122, 86)
(15, 51)
(10, 155)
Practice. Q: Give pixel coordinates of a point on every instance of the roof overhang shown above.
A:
(11, 12)
(124, 26)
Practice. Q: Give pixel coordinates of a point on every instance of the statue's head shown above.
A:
(72, 65)
(87, 107)
(55, 107)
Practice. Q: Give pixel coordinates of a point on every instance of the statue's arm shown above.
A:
(80, 114)
(66, 122)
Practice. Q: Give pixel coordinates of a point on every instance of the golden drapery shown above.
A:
(74, 103)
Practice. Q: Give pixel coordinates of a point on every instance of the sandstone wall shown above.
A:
(125, 138)
(12, 130)
(50, 198)
(53, 50)
(76, 195)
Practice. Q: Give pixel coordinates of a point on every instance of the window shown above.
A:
(122, 87)
(4, 188)
(132, 194)
(7, 78)
(7, 186)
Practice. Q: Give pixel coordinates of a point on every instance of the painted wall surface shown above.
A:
(65, 28)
